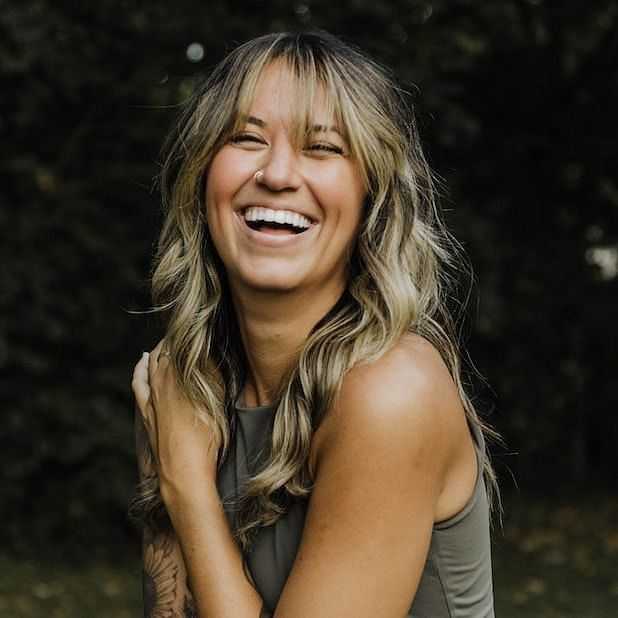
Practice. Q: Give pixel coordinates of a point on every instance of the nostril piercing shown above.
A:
(259, 175)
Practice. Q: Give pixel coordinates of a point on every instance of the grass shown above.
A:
(555, 558)
(558, 558)
(30, 589)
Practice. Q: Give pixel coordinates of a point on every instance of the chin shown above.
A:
(268, 278)
(274, 285)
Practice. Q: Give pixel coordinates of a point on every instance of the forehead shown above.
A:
(277, 92)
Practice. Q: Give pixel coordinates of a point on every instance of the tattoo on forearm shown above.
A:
(188, 610)
(159, 578)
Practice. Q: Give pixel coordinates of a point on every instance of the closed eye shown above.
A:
(326, 148)
(246, 137)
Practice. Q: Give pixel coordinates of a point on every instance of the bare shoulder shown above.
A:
(410, 383)
(408, 394)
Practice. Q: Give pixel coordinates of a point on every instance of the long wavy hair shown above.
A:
(402, 269)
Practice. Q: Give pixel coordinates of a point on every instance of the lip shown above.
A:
(274, 240)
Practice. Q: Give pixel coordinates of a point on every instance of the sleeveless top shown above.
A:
(457, 578)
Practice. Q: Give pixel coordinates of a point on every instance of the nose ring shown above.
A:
(259, 175)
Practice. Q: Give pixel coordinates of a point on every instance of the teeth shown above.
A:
(257, 213)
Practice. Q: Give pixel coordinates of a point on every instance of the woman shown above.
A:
(305, 444)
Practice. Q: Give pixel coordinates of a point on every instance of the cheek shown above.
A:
(216, 180)
(219, 192)
(343, 195)
(329, 182)
(226, 175)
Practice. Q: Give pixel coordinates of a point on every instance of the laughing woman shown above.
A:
(306, 448)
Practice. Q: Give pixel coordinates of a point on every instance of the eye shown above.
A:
(239, 138)
(325, 147)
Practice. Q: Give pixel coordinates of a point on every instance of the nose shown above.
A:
(280, 171)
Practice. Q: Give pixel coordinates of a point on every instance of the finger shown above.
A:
(140, 385)
(153, 361)
(159, 363)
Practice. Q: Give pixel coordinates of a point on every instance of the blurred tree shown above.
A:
(515, 101)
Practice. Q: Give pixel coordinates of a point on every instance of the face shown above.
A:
(319, 180)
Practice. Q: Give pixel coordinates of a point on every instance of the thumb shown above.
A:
(140, 383)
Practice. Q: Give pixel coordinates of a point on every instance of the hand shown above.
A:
(183, 447)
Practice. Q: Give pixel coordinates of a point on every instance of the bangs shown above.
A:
(312, 86)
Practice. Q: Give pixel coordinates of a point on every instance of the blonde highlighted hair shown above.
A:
(399, 276)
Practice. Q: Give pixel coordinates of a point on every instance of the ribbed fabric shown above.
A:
(457, 578)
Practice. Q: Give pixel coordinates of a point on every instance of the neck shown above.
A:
(274, 327)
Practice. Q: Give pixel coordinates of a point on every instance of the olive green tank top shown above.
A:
(457, 577)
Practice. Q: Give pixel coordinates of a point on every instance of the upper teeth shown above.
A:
(258, 213)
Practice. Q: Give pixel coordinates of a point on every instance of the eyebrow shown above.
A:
(317, 128)
(254, 120)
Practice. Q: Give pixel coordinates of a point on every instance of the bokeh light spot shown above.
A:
(195, 52)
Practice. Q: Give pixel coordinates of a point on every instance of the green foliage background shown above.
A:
(516, 102)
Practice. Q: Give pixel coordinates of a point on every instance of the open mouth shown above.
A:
(274, 227)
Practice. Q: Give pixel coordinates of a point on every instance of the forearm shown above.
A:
(212, 558)
(165, 590)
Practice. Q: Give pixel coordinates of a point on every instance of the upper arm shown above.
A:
(370, 515)
(164, 577)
